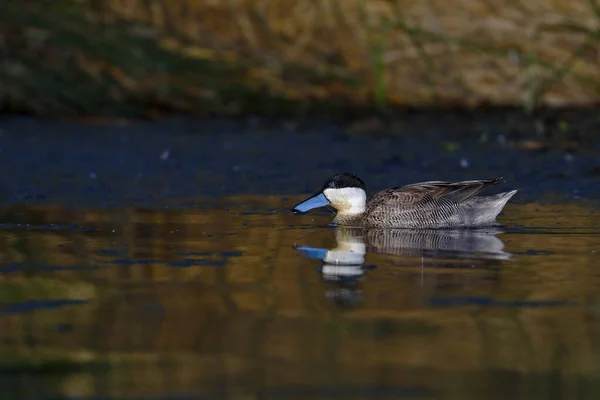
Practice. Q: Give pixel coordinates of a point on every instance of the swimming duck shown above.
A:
(425, 205)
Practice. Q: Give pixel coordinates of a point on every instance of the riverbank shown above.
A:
(74, 59)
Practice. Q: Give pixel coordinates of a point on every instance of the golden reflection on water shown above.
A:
(221, 299)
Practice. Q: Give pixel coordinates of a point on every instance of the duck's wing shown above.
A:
(453, 191)
(413, 195)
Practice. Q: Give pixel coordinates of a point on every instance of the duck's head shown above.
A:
(344, 192)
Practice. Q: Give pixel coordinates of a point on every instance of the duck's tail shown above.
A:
(483, 210)
(498, 201)
(508, 195)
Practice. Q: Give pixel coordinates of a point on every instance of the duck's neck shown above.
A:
(346, 218)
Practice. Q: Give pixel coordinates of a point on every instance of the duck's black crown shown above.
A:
(345, 180)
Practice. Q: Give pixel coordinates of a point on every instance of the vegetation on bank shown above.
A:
(145, 58)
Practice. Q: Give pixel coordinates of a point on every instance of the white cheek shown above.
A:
(348, 199)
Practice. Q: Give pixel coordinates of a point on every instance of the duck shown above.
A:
(423, 205)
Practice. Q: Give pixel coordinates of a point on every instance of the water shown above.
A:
(204, 302)
(175, 287)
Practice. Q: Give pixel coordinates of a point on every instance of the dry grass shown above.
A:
(133, 57)
(407, 52)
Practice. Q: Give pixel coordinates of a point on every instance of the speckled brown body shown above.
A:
(434, 204)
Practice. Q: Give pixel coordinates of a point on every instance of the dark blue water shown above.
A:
(152, 164)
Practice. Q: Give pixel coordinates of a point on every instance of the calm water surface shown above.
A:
(236, 297)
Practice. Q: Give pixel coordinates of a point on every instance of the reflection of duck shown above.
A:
(346, 260)
(445, 243)
(345, 263)
(433, 204)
